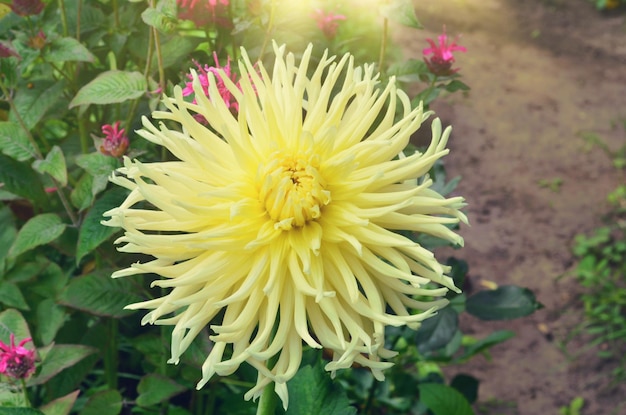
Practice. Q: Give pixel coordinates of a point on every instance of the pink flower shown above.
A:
(204, 12)
(16, 362)
(441, 61)
(27, 7)
(115, 141)
(203, 77)
(328, 22)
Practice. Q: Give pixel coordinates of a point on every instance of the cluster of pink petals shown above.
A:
(16, 362)
(204, 12)
(328, 22)
(440, 63)
(115, 141)
(203, 77)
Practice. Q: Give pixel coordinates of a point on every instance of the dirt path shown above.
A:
(540, 72)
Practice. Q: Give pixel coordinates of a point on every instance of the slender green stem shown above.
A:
(63, 17)
(383, 46)
(116, 14)
(25, 393)
(110, 355)
(268, 401)
(79, 10)
(269, 30)
(157, 49)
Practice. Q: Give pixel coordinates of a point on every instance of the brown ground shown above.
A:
(540, 71)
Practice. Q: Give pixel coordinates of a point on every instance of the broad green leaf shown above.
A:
(154, 388)
(21, 180)
(108, 402)
(11, 296)
(159, 19)
(20, 411)
(97, 164)
(60, 406)
(456, 85)
(39, 230)
(408, 71)
(25, 271)
(50, 318)
(443, 400)
(50, 282)
(401, 11)
(12, 321)
(92, 233)
(111, 87)
(8, 231)
(81, 197)
(99, 294)
(311, 392)
(67, 49)
(176, 49)
(14, 142)
(61, 356)
(33, 103)
(504, 303)
(437, 331)
(54, 165)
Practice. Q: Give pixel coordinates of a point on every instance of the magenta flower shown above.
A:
(204, 12)
(440, 63)
(203, 77)
(27, 7)
(115, 141)
(16, 362)
(328, 22)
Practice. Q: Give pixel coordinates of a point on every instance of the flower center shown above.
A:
(292, 190)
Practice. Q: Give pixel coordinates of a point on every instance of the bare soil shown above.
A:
(541, 72)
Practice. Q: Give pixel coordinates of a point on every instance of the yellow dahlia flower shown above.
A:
(284, 218)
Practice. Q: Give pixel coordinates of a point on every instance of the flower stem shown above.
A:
(268, 401)
(268, 31)
(383, 46)
(110, 354)
(25, 392)
(63, 17)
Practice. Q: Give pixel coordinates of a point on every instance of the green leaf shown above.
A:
(409, 70)
(443, 400)
(111, 87)
(479, 346)
(32, 104)
(99, 294)
(14, 142)
(21, 180)
(54, 165)
(20, 411)
(175, 49)
(437, 331)
(401, 11)
(8, 231)
(61, 356)
(81, 196)
(504, 303)
(97, 164)
(50, 318)
(60, 406)
(92, 233)
(456, 85)
(67, 49)
(12, 321)
(11, 296)
(161, 21)
(40, 230)
(311, 392)
(108, 402)
(154, 388)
